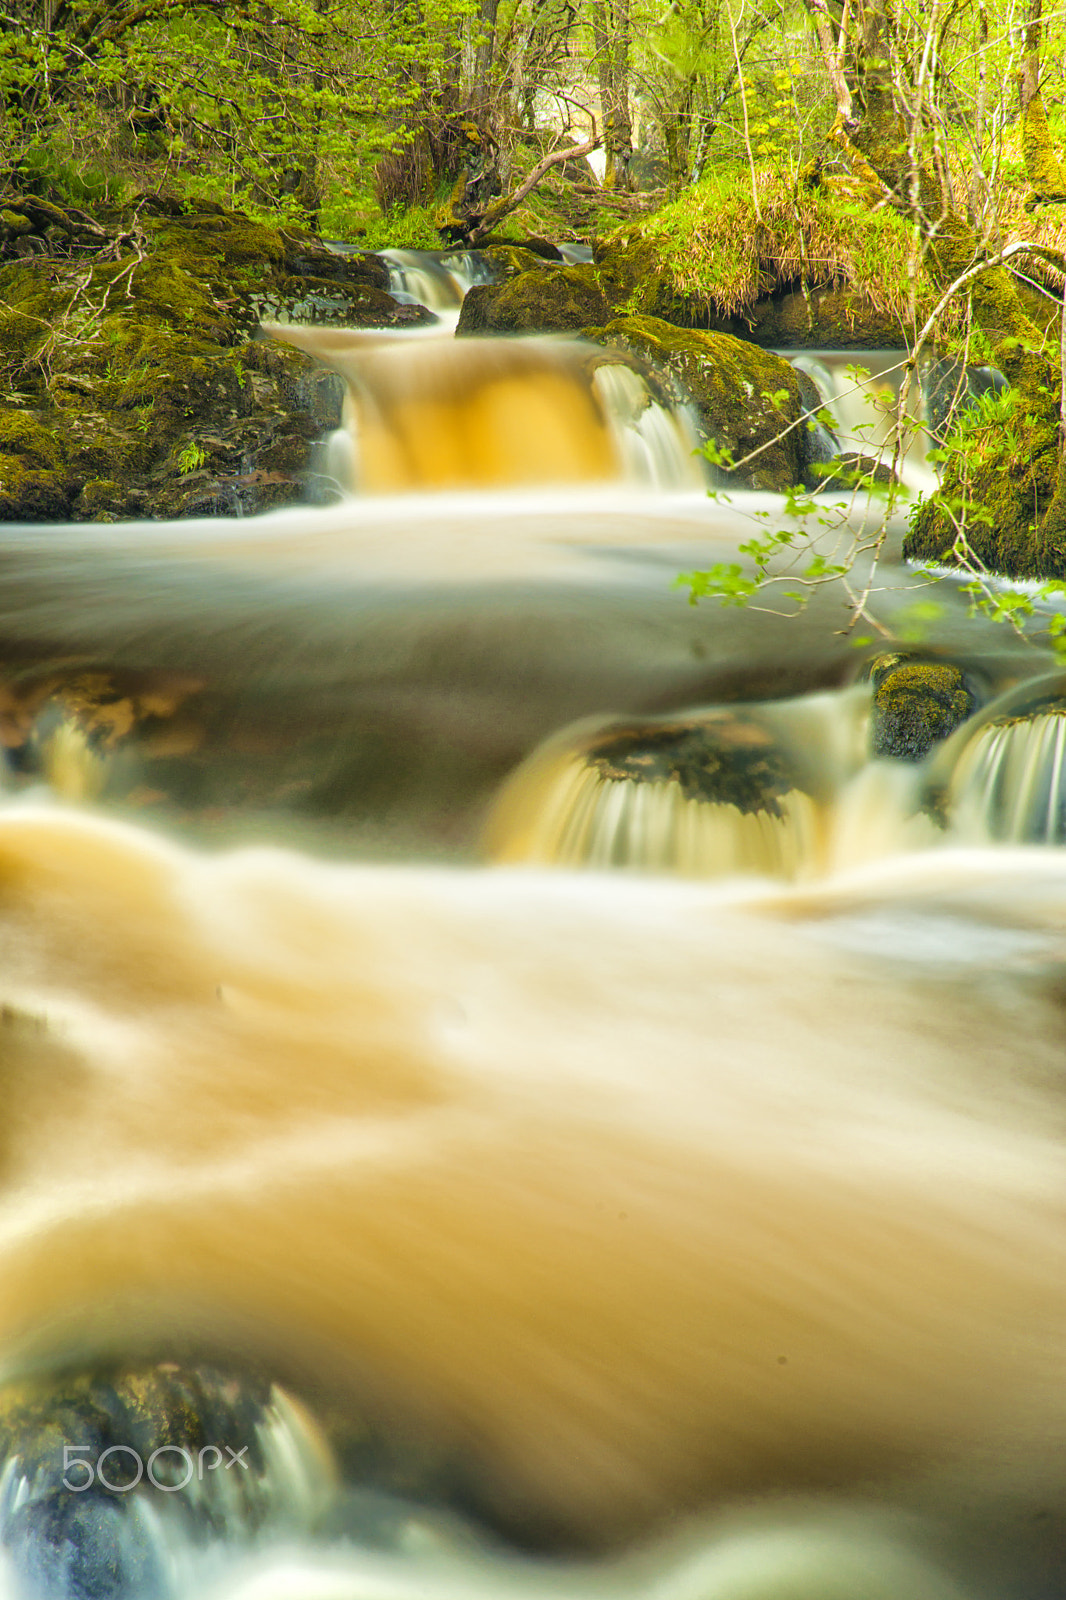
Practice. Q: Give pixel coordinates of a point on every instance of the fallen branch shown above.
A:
(470, 225)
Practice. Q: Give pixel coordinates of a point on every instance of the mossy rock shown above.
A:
(718, 758)
(308, 257)
(31, 304)
(744, 397)
(29, 496)
(916, 704)
(333, 303)
(232, 237)
(24, 436)
(154, 365)
(1013, 495)
(829, 318)
(107, 500)
(510, 260)
(547, 300)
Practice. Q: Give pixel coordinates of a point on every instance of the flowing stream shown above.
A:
(515, 1085)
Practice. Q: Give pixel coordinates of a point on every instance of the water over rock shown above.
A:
(743, 397)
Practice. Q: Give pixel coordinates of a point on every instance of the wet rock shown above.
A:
(744, 398)
(548, 300)
(106, 1473)
(720, 757)
(126, 379)
(509, 260)
(916, 704)
(706, 794)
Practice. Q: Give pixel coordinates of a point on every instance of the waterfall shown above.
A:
(716, 792)
(427, 412)
(863, 391)
(1001, 777)
(435, 280)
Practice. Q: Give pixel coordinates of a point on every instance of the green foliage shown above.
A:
(722, 245)
(776, 554)
(413, 229)
(266, 107)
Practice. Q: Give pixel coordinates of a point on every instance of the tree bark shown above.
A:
(610, 31)
(1046, 178)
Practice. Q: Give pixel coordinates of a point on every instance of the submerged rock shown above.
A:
(721, 757)
(713, 792)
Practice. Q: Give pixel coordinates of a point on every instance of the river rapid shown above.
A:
(506, 1058)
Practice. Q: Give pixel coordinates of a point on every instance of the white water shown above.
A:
(863, 391)
(704, 1238)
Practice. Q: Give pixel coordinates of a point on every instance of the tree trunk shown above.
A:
(610, 30)
(1046, 178)
(468, 221)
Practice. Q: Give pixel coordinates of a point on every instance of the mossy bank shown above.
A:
(134, 381)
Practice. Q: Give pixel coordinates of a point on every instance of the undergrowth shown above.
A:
(724, 245)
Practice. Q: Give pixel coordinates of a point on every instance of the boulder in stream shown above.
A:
(743, 398)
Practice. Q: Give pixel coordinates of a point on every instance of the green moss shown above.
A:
(132, 360)
(714, 253)
(29, 495)
(508, 260)
(24, 436)
(14, 224)
(999, 481)
(744, 396)
(916, 705)
(103, 500)
(547, 300)
(229, 236)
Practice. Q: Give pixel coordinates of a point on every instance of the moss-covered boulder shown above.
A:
(135, 386)
(546, 300)
(745, 399)
(1000, 478)
(509, 260)
(765, 260)
(916, 704)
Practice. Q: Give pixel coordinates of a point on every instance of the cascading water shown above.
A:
(873, 418)
(526, 1231)
(437, 281)
(1002, 777)
(716, 792)
(429, 412)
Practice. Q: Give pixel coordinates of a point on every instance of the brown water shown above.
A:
(706, 1239)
